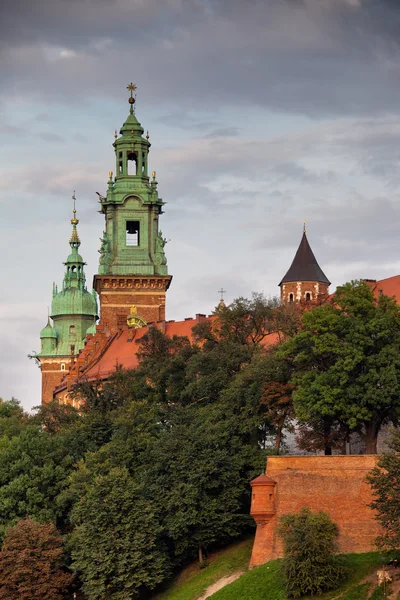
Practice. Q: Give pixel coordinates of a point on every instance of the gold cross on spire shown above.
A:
(131, 88)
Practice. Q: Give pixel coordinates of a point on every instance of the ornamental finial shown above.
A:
(74, 240)
(74, 220)
(304, 226)
(131, 88)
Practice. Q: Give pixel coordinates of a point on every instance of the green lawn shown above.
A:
(265, 582)
(192, 582)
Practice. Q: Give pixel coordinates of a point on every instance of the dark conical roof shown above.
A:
(304, 266)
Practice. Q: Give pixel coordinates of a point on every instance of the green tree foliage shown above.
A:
(201, 468)
(31, 563)
(117, 545)
(385, 483)
(309, 542)
(154, 469)
(13, 419)
(347, 362)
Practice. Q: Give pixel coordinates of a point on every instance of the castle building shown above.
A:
(74, 313)
(305, 281)
(133, 279)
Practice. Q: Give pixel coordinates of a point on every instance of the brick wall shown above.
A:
(335, 484)
(52, 376)
(300, 289)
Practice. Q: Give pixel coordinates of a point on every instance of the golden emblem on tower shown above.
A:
(134, 320)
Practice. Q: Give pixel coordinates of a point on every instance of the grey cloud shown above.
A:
(48, 136)
(313, 57)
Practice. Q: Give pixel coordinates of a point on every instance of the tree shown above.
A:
(13, 419)
(201, 468)
(55, 417)
(309, 542)
(117, 546)
(31, 563)
(385, 483)
(347, 364)
(34, 469)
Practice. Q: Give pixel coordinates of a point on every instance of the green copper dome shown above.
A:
(73, 301)
(48, 332)
(74, 298)
(73, 308)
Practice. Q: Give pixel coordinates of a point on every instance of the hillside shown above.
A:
(264, 582)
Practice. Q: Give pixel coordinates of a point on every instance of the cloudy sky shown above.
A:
(261, 113)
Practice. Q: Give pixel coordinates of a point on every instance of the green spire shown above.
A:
(74, 274)
(74, 298)
(132, 243)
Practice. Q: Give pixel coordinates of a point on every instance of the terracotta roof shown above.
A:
(261, 479)
(389, 286)
(304, 266)
(122, 352)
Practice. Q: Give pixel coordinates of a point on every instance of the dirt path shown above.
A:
(218, 585)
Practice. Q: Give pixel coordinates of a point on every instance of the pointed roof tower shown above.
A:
(73, 313)
(304, 272)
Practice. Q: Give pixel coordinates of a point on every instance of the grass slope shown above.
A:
(192, 582)
(265, 582)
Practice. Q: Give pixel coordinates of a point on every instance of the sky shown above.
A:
(261, 114)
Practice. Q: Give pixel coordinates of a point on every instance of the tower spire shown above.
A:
(74, 241)
(305, 280)
(131, 87)
(132, 250)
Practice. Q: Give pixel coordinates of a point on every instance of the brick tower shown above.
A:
(133, 267)
(74, 313)
(305, 281)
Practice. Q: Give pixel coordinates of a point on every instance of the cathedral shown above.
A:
(132, 279)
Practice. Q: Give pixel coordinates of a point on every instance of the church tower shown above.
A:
(74, 313)
(133, 266)
(305, 281)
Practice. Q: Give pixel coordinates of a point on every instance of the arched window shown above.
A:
(62, 367)
(132, 163)
(291, 297)
(308, 297)
(72, 329)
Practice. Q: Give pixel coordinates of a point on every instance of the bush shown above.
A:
(31, 563)
(309, 541)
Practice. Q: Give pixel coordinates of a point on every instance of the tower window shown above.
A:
(132, 233)
(291, 297)
(72, 329)
(72, 348)
(132, 163)
(62, 367)
(308, 297)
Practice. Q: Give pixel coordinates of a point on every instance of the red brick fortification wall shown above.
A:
(334, 484)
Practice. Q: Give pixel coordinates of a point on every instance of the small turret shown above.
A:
(48, 337)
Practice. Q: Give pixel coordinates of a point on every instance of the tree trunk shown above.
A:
(201, 557)
(371, 438)
(278, 439)
(327, 436)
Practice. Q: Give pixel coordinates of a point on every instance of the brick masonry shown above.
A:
(334, 484)
(118, 294)
(52, 374)
(297, 291)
